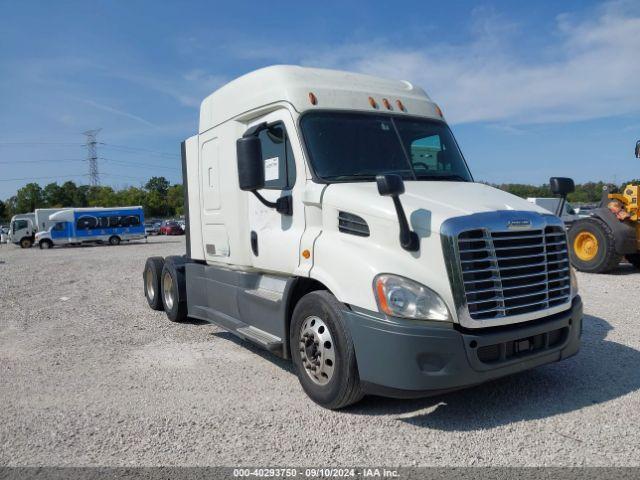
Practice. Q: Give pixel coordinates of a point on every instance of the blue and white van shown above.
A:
(88, 225)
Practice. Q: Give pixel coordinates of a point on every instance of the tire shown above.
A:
(173, 288)
(26, 242)
(332, 385)
(634, 259)
(592, 246)
(151, 280)
(45, 244)
(114, 240)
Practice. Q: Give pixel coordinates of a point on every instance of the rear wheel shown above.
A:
(114, 240)
(174, 304)
(26, 243)
(45, 244)
(592, 246)
(151, 277)
(323, 353)
(634, 259)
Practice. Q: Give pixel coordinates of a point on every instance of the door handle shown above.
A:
(254, 242)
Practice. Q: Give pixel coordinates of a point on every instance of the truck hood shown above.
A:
(438, 201)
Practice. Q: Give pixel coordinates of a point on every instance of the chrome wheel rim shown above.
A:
(167, 289)
(317, 350)
(148, 277)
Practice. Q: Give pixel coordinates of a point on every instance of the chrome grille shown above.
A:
(514, 272)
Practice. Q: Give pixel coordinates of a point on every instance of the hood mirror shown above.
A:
(562, 187)
(390, 185)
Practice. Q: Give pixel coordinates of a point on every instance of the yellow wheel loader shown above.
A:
(598, 243)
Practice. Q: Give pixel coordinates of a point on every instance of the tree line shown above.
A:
(158, 198)
(161, 199)
(589, 192)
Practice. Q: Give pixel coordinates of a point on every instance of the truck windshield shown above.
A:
(358, 146)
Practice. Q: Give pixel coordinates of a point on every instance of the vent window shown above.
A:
(352, 224)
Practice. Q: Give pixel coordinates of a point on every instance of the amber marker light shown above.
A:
(401, 105)
(386, 104)
(382, 298)
(313, 99)
(306, 254)
(439, 112)
(372, 102)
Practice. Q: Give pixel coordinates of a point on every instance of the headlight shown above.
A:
(574, 282)
(401, 297)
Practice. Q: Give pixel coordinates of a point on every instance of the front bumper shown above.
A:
(403, 358)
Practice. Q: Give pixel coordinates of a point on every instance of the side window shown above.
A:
(134, 220)
(86, 223)
(114, 221)
(279, 164)
(58, 226)
(103, 222)
(19, 225)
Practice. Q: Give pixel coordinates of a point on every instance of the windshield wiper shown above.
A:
(459, 178)
(368, 174)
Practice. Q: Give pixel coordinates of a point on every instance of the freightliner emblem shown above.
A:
(520, 223)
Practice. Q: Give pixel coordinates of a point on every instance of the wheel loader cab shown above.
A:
(332, 219)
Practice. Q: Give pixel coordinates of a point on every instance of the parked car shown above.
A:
(171, 228)
(152, 228)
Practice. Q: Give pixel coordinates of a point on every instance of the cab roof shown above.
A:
(333, 89)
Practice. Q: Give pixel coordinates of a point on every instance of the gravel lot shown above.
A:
(89, 375)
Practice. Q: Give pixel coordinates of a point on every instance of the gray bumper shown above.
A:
(401, 358)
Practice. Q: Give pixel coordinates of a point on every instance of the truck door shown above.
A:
(61, 232)
(21, 228)
(275, 238)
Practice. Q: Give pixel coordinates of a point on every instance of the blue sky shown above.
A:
(530, 91)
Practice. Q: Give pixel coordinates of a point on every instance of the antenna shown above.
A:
(92, 156)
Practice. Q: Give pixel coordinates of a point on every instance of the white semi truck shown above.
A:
(332, 219)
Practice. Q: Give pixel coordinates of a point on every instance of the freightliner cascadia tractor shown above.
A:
(332, 219)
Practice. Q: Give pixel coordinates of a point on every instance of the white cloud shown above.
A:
(590, 68)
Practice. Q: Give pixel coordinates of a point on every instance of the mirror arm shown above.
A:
(560, 207)
(283, 205)
(409, 240)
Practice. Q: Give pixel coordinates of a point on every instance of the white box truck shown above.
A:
(43, 222)
(568, 214)
(22, 229)
(332, 219)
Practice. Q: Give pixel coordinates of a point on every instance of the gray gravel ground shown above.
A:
(89, 375)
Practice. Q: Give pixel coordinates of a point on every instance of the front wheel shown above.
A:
(45, 244)
(323, 353)
(592, 246)
(26, 243)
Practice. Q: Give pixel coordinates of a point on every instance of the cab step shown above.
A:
(261, 338)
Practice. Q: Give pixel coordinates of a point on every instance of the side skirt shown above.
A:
(250, 305)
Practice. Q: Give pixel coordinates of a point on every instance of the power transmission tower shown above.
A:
(92, 156)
